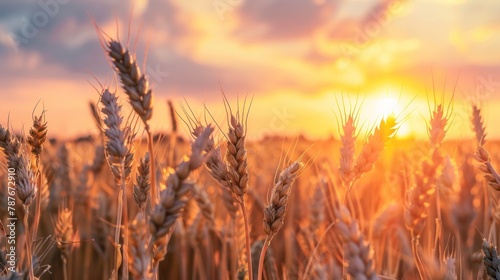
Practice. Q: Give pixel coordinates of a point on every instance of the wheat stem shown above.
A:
(267, 242)
(155, 191)
(247, 239)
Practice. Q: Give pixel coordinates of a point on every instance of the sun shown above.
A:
(388, 106)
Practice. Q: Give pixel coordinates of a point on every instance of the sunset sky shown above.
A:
(296, 58)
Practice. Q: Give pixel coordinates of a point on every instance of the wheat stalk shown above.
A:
(140, 260)
(478, 125)
(491, 260)
(482, 155)
(11, 148)
(205, 205)
(36, 138)
(274, 213)
(173, 198)
(348, 140)
(25, 180)
(438, 126)
(142, 187)
(64, 233)
(120, 157)
(373, 147)
(358, 252)
(140, 95)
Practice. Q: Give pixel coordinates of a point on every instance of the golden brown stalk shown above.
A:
(142, 186)
(173, 116)
(172, 159)
(240, 246)
(173, 199)
(482, 155)
(274, 213)
(237, 168)
(136, 86)
(25, 182)
(139, 260)
(119, 138)
(26, 190)
(463, 211)
(134, 83)
(491, 260)
(11, 148)
(95, 116)
(44, 192)
(447, 179)
(270, 271)
(418, 198)
(374, 146)
(99, 160)
(317, 209)
(359, 255)
(205, 205)
(236, 157)
(229, 203)
(490, 174)
(478, 125)
(63, 173)
(417, 204)
(36, 138)
(438, 126)
(64, 233)
(348, 139)
(120, 157)
(214, 162)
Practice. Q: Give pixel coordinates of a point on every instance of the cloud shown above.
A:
(285, 19)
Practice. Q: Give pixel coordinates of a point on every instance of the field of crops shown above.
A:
(129, 203)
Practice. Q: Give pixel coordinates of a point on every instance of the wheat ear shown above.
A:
(173, 199)
(142, 186)
(373, 147)
(205, 205)
(358, 252)
(274, 213)
(482, 155)
(348, 140)
(237, 168)
(36, 138)
(140, 260)
(25, 182)
(11, 148)
(491, 260)
(120, 158)
(478, 125)
(437, 132)
(64, 233)
(136, 86)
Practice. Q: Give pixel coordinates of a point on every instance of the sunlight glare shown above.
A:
(388, 106)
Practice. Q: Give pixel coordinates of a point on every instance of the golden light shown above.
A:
(387, 106)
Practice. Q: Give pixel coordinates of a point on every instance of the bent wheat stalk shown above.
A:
(274, 213)
(173, 200)
(136, 86)
(482, 155)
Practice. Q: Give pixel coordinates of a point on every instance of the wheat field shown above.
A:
(129, 203)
